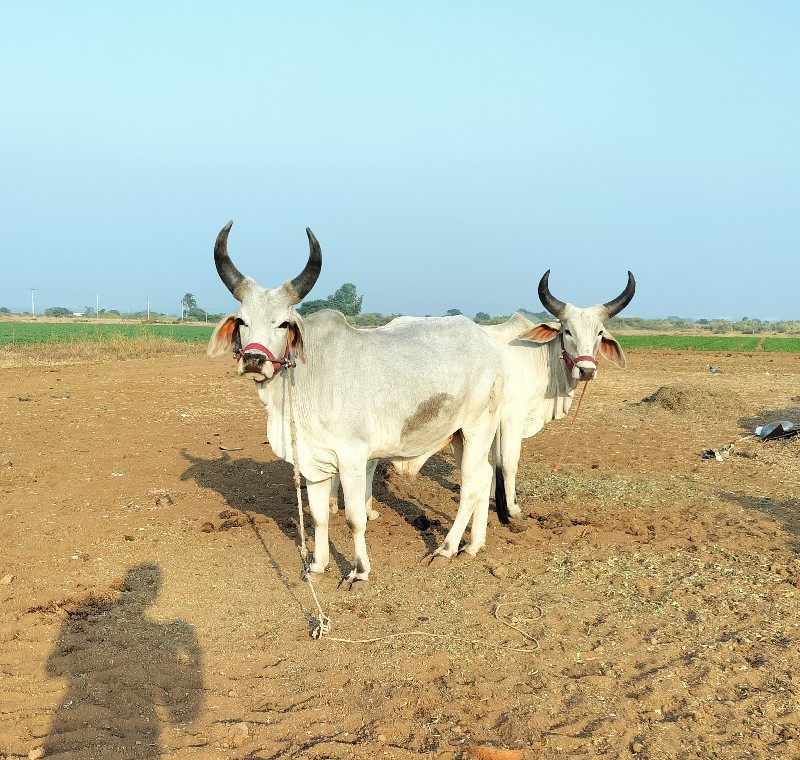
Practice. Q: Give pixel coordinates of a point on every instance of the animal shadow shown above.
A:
(768, 416)
(786, 512)
(257, 488)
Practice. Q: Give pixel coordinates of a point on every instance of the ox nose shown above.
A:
(253, 361)
(587, 373)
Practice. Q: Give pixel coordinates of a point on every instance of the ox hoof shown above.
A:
(354, 585)
(467, 553)
(373, 514)
(314, 577)
(439, 560)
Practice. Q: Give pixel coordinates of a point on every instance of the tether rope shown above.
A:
(323, 625)
(571, 428)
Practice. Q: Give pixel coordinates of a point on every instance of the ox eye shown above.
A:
(600, 333)
(567, 332)
(283, 325)
(240, 322)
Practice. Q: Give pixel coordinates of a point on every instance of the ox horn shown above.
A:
(549, 301)
(226, 269)
(623, 299)
(303, 283)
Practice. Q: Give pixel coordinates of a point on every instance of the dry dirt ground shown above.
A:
(152, 605)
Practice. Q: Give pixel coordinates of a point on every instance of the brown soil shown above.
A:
(152, 604)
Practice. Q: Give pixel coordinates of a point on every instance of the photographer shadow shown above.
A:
(127, 674)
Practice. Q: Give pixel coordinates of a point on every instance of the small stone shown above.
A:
(208, 527)
(498, 571)
(637, 747)
(240, 733)
(6, 579)
(36, 754)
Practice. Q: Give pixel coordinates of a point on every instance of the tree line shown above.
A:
(347, 300)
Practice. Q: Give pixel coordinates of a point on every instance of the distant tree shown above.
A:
(482, 316)
(57, 311)
(309, 307)
(188, 302)
(4, 310)
(452, 312)
(346, 300)
(88, 311)
(195, 314)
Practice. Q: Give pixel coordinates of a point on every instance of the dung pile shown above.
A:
(695, 399)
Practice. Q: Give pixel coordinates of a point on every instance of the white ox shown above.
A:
(545, 365)
(361, 395)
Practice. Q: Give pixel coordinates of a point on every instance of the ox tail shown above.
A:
(500, 503)
(500, 496)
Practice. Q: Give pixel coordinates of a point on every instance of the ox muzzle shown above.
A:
(582, 367)
(255, 357)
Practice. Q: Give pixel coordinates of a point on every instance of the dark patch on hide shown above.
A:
(426, 412)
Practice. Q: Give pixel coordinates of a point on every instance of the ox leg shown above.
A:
(476, 480)
(334, 495)
(318, 501)
(510, 449)
(480, 519)
(372, 514)
(354, 488)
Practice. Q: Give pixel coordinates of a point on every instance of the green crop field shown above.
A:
(27, 333)
(694, 342)
(791, 345)
(14, 333)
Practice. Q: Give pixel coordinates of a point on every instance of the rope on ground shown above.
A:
(571, 428)
(463, 640)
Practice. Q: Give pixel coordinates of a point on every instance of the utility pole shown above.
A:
(148, 309)
(33, 303)
(97, 306)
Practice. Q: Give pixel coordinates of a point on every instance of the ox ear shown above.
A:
(296, 339)
(611, 350)
(222, 337)
(542, 333)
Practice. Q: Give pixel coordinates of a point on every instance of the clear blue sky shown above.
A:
(445, 153)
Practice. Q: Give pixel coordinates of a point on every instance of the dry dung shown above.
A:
(695, 399)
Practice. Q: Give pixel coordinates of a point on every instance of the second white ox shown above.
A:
(545, 365)
(360, 395)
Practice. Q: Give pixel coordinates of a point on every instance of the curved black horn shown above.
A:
(549, 301)
(623, 299)
(228, 273)
(303, 283)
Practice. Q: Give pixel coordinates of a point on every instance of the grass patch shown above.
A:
(108, 346)
(33, 333)
(696, 342)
